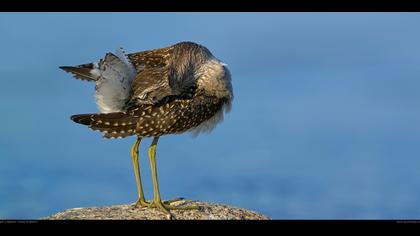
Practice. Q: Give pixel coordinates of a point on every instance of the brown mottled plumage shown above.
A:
(167, 95)
(152, 93)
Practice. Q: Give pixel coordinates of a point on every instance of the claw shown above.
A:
(168, 202)
(141, 203)
(164, 207)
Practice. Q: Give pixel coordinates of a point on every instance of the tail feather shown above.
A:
(87, 72)
(112, 67)
(112, 125)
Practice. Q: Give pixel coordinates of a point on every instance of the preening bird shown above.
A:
(171, 90)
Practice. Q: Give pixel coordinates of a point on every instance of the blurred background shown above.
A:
(325, 123)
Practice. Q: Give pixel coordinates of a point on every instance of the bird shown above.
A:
(181, 88)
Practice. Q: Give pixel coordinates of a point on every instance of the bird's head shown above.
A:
(215, 78)
(193, 63)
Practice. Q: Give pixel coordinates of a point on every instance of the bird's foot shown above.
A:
(141, 203)
(166, 206)
(173, 200)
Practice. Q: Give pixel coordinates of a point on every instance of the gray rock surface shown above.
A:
(206, 211)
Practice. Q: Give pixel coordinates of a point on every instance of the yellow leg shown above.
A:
(135, 156)
(157, 201)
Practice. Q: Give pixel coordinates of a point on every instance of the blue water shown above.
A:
(325, 123)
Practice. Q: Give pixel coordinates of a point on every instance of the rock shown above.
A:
(206, 211)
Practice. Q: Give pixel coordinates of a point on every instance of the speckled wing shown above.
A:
(152, 83)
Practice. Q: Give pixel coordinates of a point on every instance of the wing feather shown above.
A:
(161, 73)
(152, 82)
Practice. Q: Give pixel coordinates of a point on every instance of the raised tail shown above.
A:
(112, 125)
(88, 72)
(112, 67)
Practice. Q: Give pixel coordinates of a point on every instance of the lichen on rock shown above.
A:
(206, 211)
